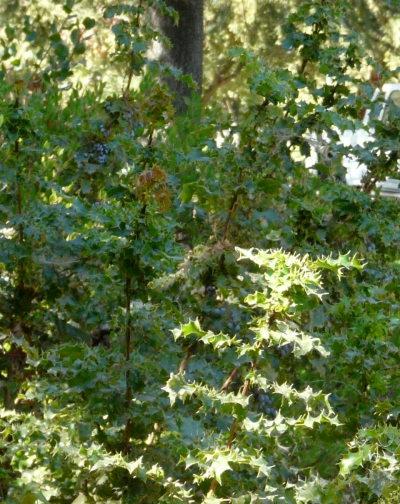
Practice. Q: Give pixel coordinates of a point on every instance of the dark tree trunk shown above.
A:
(186, 51)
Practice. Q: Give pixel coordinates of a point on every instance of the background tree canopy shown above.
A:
(188, 313)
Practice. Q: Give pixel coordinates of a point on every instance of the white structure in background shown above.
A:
(354, 169)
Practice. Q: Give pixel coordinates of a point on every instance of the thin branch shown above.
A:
(128, 337)
(230, 379)
(221, 79)
(233, 431)
(185, 361)
(231, 212)
(131, 69)
(302, 66)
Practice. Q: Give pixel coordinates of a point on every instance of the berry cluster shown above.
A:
(96, 154)
(265, 403)
(99, 153)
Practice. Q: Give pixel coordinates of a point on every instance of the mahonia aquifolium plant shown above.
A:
(240, 449)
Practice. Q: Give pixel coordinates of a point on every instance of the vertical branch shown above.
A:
(305, 60)
(18, 191)
(16, 356)
(131, 56)
(235, 426)
(129, 81)
(185, 361)
(128, 338)
(233, 205)
(23, 298)
(231, 212)
(19, 195)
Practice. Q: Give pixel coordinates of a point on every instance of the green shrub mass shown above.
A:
(187, 313)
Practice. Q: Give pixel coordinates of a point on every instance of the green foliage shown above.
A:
(245, 437)
(188, 314)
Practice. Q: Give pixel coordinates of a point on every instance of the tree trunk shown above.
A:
(186, 51)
